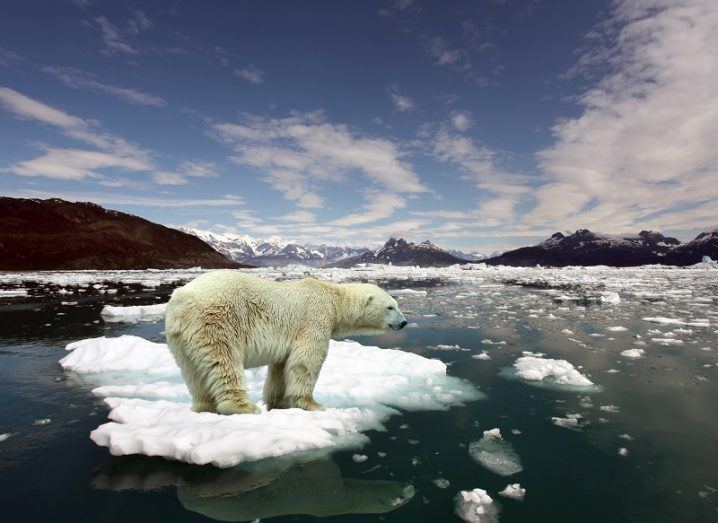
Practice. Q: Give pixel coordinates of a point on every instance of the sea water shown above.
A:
(640, 443)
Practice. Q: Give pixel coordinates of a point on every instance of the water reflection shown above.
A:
(314, 488)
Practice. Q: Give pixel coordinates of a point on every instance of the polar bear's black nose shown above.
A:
(403, 324)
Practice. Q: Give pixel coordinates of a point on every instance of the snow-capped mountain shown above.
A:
(588, 248)
(273, 251)
(400, 252)
(474, 256)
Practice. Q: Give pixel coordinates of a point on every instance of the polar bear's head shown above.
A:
(380, 311)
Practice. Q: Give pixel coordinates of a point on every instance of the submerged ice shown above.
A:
(495, 453)
(150, 412)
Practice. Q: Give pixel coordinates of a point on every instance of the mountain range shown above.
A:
(584, 247)
(274, 251)
(400, 252)
(56, 234)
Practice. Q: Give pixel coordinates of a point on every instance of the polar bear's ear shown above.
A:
(369, 300)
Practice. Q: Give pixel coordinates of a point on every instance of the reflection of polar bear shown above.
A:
(225, 321)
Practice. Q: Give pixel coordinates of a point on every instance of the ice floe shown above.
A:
(571, 421)
(550, 373)
(513, 491)
(476, 506)
(150, 414)
(133, 313)
(496, 454)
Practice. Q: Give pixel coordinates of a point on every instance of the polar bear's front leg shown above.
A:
(301, 373)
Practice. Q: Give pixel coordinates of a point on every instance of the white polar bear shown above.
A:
(225, 321)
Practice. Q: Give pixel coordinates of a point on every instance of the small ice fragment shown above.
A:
(476, 506)
(5, 436)
(441, 482)
(623, 451)
(571, 421)
(610, 298)
(43, 421)
(495, 454)
(407, 292)
(610, 408)
(360, 458)
(618, 328)
(515, 432)
(633, 353)
(513, 491)
(627, 437)
(481, 356)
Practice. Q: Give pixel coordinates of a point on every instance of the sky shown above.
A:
(479, 125)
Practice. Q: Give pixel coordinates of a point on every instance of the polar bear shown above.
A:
(225, 321)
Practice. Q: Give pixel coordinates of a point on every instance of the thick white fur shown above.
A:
(225, 321)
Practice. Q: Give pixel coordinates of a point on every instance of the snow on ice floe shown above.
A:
(545, 372)
(496, 454)
(476, 506)
(150, 414)
(133, 313)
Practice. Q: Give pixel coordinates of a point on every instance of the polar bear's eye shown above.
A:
(390, 308)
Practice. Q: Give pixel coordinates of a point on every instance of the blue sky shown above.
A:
(479, 125)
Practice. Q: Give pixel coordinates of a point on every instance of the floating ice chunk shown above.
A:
(623, 451)
(571, 421)
(13, 293)
(613, 409)
(476, 506)
(43, 421)
(633, 353)
(133, 313)
(483, 355)
(495, 453)
(441, 482)
(150, 406)
(68, 303)
(610, 298)
(513, 491)
(5, 436)
(550, 372)
(359, 458)
(677, 321)
(448, 347)
(617, 328)
(407, 292)
(667, 341)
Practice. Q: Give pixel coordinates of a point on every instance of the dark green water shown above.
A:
(667, 404)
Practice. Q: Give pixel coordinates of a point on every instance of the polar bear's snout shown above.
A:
(398, 320)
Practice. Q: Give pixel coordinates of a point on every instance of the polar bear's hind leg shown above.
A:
(225, 380)
(274, 386)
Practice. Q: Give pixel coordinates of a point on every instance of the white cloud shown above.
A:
(9, 58)
(168, 178)
(123, 199)
(299, 153)
(456, 58)
(72, 126)
(644, 144)
(251, 74)
(81, 80)
(461, 120)
(401, 102)
(198, 169)
(113, 39)
(378, 207)
(298, 217)
(74, 164)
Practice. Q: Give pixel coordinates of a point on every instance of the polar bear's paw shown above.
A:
(227, 407)
(305, 403)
